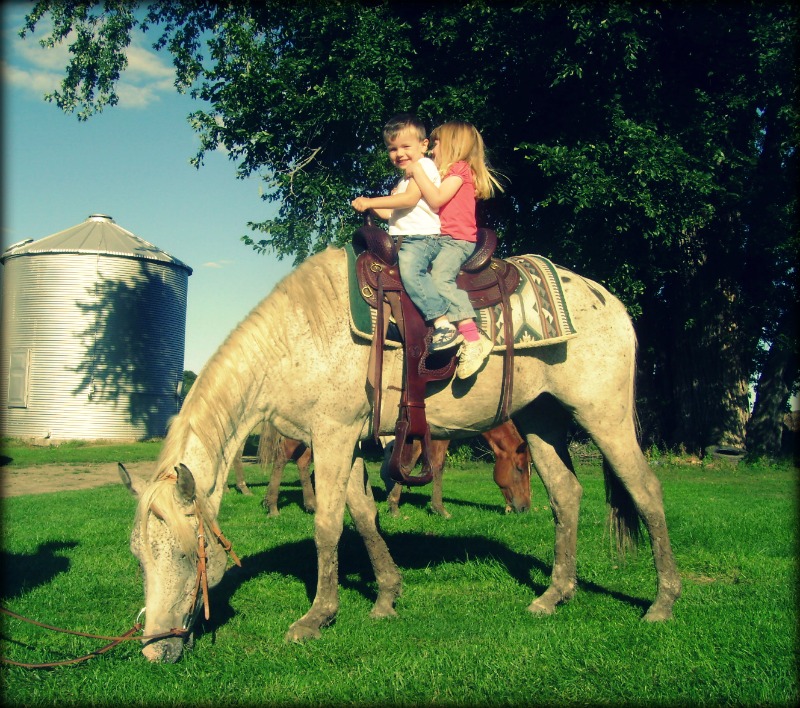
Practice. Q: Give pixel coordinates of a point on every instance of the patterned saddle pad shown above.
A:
(539, 310)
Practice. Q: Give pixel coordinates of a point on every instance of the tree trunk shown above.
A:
(705, 365)
(765, 428)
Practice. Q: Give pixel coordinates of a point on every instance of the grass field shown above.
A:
(463, 636)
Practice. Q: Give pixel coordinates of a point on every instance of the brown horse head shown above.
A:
(512, 467)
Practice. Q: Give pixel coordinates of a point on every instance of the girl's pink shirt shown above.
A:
(458, 215)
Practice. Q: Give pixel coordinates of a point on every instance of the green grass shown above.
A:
(75, 452)
(463, 636)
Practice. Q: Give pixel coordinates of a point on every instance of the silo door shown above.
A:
(18, 370)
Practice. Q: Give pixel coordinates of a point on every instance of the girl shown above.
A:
(458, 153)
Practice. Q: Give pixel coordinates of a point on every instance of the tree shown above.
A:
(651, 147)
(189, 377)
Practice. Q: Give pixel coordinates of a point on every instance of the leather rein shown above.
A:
(200, 586)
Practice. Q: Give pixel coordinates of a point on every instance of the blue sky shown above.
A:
(132, 163)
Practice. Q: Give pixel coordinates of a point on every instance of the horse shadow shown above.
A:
(22, 572)
(420, 500)
(410, 550)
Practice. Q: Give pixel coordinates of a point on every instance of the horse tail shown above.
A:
(268, 445)
(624, 521)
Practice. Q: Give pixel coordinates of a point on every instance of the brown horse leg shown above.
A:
(544, 423)
(238, 467)
(622, 452)
(362, 508)
(270, 500)
(393, 499)
(438, 456)
(303, 465)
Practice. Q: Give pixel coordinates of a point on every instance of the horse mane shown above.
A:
(307, 300)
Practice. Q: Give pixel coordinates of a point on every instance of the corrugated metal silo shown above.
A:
(94, 322)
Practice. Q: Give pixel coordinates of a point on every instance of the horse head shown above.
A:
(512, 467)
(174, 540)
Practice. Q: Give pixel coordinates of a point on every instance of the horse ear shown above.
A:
(126, 479)
(185, 487)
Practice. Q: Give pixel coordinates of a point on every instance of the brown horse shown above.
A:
(275, 451)
(512, 470)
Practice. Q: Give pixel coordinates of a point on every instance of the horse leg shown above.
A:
(438, 455)
(544, 424)
(238, 467)
(393, 490)
(270, 500)
(303, 465)
(362, 508)
(621, 451)
(333, 467)
(393, 499)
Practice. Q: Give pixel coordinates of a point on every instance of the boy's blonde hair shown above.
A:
(459, 141)
(403, 121)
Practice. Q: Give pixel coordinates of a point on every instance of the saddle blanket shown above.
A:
(540, 314)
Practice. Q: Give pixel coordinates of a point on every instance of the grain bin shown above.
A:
(94, 322)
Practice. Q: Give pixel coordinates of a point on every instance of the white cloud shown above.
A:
(35, 81)
(218, 264)
(38, 70)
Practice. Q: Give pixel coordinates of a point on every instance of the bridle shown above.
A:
(201, 582)
(200, 587)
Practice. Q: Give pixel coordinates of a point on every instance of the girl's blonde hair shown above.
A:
(459, 141)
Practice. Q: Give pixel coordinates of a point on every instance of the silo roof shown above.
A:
(98, 234)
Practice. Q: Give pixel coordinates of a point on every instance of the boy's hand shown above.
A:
(360, 203)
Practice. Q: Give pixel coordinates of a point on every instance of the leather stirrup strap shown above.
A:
(380, 338)
(411, 421)
(507, 389)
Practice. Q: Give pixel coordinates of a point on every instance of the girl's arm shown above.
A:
(435, 196)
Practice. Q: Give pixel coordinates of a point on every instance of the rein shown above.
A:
(201, 585)
(113, 641)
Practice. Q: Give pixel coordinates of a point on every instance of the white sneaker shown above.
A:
(472, 356)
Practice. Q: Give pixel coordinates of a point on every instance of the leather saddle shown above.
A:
(489, 281)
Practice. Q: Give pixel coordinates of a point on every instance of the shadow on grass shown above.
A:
(291, 494)
(22, 572)
(422, 501)
(409, 550)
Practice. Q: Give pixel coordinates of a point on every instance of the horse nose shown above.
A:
(164, 650)
(522, 508)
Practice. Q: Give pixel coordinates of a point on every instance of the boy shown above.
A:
(414, 223)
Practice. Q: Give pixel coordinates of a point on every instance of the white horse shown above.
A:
(293, 361)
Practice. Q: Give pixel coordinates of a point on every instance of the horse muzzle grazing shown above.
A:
(183, 553)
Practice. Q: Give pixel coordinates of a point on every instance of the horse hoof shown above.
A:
(441, 511)
(535, 608)
(657, 614)
(299, 633)
(383, 612)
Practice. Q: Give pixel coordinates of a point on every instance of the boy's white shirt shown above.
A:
(419, 219)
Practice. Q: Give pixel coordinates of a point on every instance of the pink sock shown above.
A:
(470, 330)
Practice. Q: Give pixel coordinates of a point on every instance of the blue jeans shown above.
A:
(435, 293)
